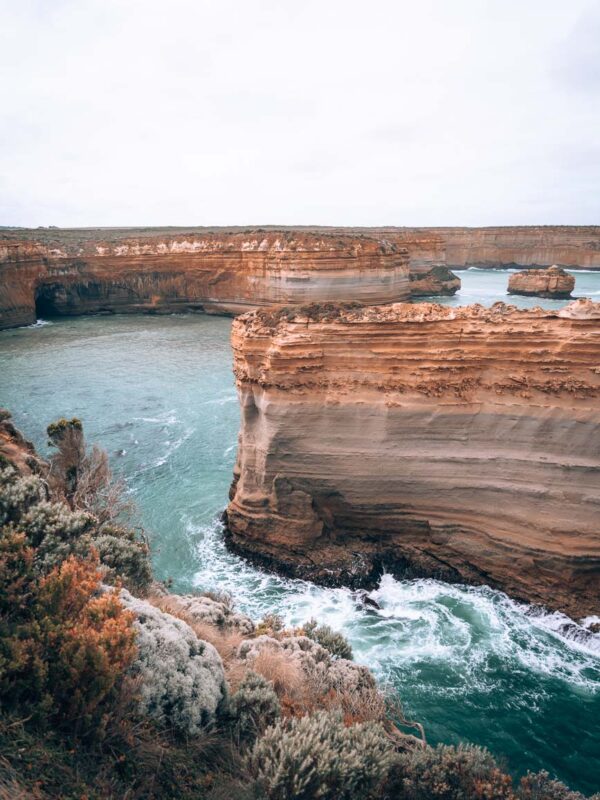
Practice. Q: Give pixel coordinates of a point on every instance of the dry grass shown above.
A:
(284, 673)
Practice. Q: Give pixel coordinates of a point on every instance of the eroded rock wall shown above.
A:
(463, 443)
(524, 246)
(221, 273)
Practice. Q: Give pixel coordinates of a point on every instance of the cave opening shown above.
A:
(45, 302)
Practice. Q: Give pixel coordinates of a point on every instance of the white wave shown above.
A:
(578, 269)
(168, 418)
(220, 401)
(40, 323)
(473, 634)
(171, 447)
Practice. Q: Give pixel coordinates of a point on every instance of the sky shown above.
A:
(332, 112)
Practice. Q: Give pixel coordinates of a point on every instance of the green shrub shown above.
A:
(55, 532)
(448, 773)
(334, 642)
(62, 425)
(253, 708)
(17, 494)
(317, 757)
(124, 556)
(269, 624)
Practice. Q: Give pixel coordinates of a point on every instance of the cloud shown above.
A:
(269, 111)
(577, 58)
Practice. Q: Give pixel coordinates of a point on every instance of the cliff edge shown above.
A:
(456, 442)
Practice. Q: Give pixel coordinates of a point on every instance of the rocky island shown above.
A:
(455, 442)
(553, 282)
(436, 281)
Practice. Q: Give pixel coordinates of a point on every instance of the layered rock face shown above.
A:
(523, 246)
(436, 281)
(221, 273)
(553, 282)
(229, 270)
(456, 442)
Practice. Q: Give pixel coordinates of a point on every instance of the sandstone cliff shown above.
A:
(553, 282)
(50, 271)
(95, 271)
(521, 246)
(459, 442)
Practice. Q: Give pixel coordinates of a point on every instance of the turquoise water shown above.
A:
(158, 393)
(488, 285)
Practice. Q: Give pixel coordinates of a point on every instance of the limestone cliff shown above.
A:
(553, 282)
(94, 271)
(459, 442)
(49, 271)
(522, 246)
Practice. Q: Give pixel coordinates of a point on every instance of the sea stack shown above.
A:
(553, 283)
(461, 443)
(436, 281)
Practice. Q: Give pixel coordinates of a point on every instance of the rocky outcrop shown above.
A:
(102, 271)
(553, 282)
(457, 442)
(436, 281)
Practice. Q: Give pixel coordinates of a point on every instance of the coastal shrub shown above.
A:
(218, 610)
(447, 773)
(270, 624)
(332, 641)
(17, 493)
(64, 645)
(55, 531)
(225, 640)
(89, 637)
(66, 435)
(124, 556)
(317, 756)
(182, 678)
(540, 786)
(82, 477)
(253, 707)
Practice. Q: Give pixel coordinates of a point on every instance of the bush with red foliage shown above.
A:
(64, 644)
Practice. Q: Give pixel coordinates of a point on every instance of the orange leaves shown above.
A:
(65, 645)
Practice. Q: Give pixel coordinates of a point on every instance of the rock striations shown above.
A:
(52, 271)
(219, 273)
(521, 246)
(456, 442)
(553, 282)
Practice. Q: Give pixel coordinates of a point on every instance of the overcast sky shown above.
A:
(378, 112)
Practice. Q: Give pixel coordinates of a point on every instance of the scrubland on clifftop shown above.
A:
(113, 687)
